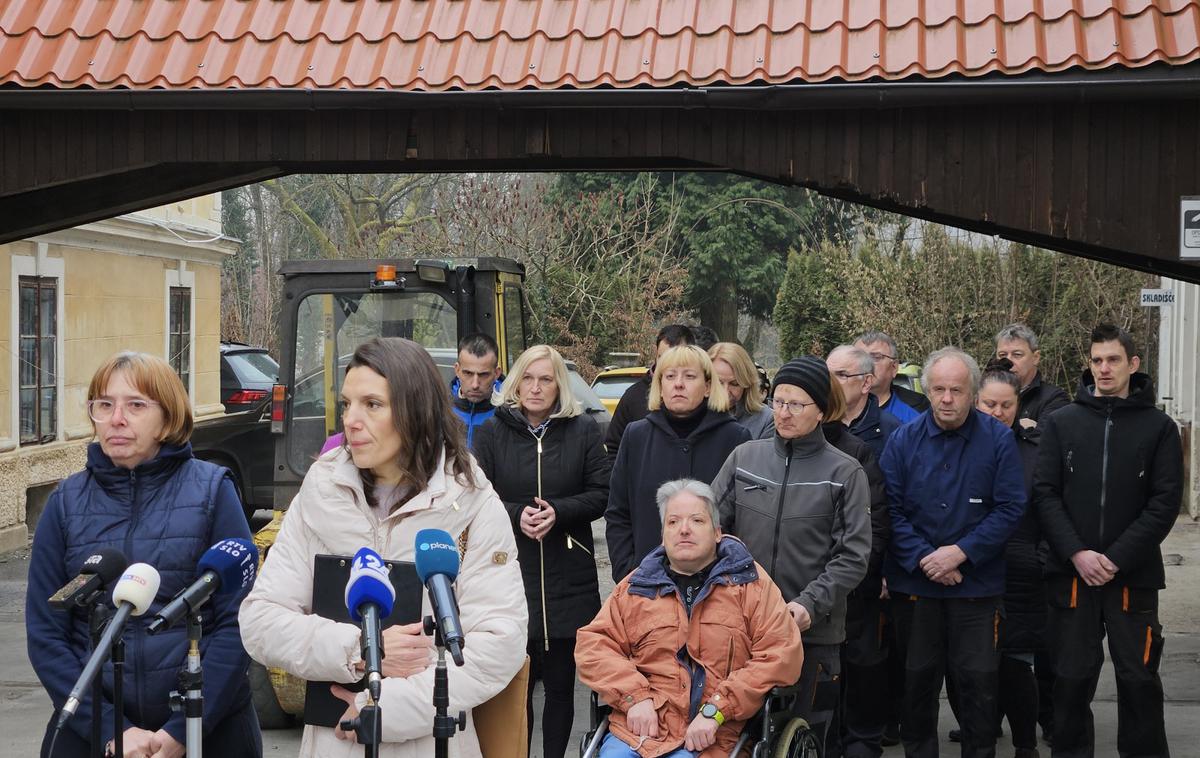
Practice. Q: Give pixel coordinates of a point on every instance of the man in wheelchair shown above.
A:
(690, 642)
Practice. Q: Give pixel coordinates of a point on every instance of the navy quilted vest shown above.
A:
(159, 513)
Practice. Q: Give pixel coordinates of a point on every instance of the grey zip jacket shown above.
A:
(803, 508)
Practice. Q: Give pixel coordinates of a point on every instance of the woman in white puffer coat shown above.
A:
(404, 467)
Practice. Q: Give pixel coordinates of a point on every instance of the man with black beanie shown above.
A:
(803, 508)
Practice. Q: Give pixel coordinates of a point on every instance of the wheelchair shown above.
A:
(773, 732)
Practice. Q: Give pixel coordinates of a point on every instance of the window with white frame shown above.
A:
(37, 334)
(179, 329)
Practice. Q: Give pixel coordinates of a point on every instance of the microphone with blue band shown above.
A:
(226, 567)
(369, 599)
(437, 566)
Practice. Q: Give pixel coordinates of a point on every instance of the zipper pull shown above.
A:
(539, 440)
(570, 542)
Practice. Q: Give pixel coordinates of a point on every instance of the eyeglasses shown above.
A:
(882, 357)
(102, 409)
(794, 407)
(848, 375)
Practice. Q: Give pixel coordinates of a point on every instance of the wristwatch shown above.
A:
(709, 711)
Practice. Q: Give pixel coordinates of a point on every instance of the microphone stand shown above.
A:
(368, 724)
(118, 665)
(189, 697)
(367, 727)
(445, 726)
(98, 615)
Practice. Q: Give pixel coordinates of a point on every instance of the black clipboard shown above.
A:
(330, 575)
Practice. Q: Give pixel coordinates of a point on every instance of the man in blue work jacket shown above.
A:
(955, 494)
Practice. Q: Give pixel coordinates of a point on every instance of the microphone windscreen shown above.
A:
(436, 553)
(234, 561)
(107, 563)
(138, 586)
(369, 583)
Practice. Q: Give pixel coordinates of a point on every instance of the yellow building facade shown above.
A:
(148, 281)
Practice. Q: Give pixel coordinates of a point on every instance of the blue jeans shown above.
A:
(614, 747)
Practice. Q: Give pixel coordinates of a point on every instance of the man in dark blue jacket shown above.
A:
(1108, 487)
(955, 494)
(854, 369)
(901, 402)
(476, 377)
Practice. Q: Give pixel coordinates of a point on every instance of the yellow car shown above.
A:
(610, 384)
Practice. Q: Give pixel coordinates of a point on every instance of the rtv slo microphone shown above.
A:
(98, 570)
(369, 599)
(133, 595)
(228, 566)
(437, 565)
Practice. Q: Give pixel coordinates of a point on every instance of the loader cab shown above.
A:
(332, 307)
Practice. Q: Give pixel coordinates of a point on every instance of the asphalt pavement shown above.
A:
(26, 708)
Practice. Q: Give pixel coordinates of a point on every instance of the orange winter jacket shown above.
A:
(740, 639)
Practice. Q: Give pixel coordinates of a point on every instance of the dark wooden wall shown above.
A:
(1101, 180)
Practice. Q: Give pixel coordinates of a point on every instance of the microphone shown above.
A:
(227, 566)
(369, 598)
(100, 568)
(437, 565)
(132, 596)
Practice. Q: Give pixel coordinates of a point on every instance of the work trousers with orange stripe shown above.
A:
(1080, 618)
(955, 637)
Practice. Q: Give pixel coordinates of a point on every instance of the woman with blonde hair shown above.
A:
(734, 368)
(688, 434)
(546, 460)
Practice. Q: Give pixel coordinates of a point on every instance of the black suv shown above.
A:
(241, 439)
(247, 375)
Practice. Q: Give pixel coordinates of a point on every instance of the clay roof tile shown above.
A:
(435, 45)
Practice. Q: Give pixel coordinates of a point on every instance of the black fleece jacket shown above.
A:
(1110, 478)
(652, 453)
(1038, 401)
(838, 435)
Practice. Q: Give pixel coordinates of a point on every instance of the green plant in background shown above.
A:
(809, 308)
(935, 289)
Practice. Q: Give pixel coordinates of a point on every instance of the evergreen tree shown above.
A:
(809, 310)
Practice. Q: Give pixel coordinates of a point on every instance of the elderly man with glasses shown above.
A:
(899, 401)
(854, 370)
(803, 508)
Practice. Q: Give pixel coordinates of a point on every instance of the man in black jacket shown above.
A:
(633, 404)
(1038, 399)
(1108, 488)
